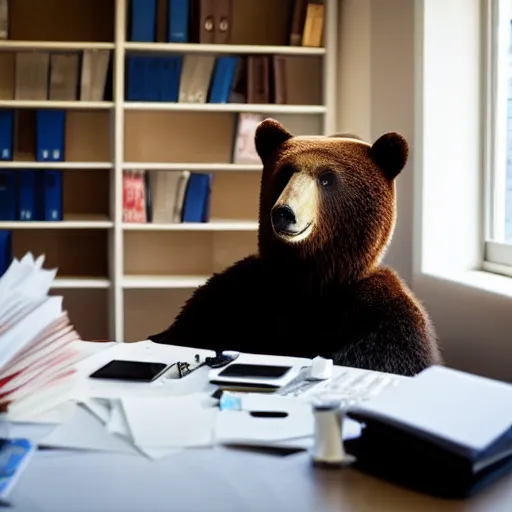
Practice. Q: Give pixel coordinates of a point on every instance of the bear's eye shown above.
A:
(326, 178)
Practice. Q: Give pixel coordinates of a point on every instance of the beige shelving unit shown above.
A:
(124, 281)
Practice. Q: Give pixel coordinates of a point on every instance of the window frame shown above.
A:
(497, 255)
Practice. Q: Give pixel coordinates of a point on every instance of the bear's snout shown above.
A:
(283, 219)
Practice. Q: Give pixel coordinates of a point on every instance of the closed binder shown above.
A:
(223, 79)
(30, 192)
(5, 250)
(444, 432)
(178, 21)
(197, 198)
(143, 20)
(53, 195)
(7, 195)
(6, 130)
(50, 134)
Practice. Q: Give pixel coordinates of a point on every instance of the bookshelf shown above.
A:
(124, 280)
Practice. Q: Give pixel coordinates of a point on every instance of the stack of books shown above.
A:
(37, 350)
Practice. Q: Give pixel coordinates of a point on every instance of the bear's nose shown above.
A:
(283, 218)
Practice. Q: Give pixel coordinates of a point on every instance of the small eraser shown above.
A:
(321, 368)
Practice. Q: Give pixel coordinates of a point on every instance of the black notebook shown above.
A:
(444, 432)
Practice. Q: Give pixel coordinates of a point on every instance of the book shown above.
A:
(64, 68)
(134, 196)
(313, 33)
(4, 19)
(37, 354)
(244, 148)
(31, 76)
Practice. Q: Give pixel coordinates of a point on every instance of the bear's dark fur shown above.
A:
(317, 286)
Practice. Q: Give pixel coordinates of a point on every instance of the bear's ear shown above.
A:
(270, 134)
(390, 152)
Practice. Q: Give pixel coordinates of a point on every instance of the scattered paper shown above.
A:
(170, 422)
(84, 431)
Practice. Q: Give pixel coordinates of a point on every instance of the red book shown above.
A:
(134, 196)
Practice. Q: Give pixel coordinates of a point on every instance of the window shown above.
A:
(498, 81)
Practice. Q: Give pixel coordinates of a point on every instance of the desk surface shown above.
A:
(219, 479)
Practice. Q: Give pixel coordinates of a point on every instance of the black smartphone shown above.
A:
(254, 371)
(139, 371)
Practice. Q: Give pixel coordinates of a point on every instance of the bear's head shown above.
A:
(327, 204)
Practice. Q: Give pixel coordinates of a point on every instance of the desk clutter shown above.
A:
(443, 432)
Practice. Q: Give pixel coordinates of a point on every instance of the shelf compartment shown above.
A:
(62, 20)
(86, 139)
(81, 253)
(166, 136)
(88, 311)
(149, 311)
(235, 196)
(186, 254)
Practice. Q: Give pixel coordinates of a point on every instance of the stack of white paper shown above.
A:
(154, 426)
(37, 353)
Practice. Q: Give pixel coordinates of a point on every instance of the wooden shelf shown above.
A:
(62, 105)
(229, 49)
(53, 46)
(193, 167)
(226, 107)
(55, 165)
(70, 222)
(163, 282)
(194, 226)
(64, 283)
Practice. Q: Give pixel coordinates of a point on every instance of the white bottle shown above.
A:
(328, 443)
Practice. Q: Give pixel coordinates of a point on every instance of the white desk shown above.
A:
(218, 479)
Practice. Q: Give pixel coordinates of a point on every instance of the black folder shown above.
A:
(444, 432)
(427, 465)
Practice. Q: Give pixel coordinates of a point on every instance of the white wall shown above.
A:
(376, 93)
(383, 41)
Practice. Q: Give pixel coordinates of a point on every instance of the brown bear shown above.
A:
(317, 285)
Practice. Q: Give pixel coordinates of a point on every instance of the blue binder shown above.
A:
(143, 20)
(178, 21)
(170, 74)
(5, 251)
(30, 195)
(152, 78)
(197, 198)
(7, 195)
(53, 195)
(6, 130)
(223, 78)
(135, 83)
(50, 134)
